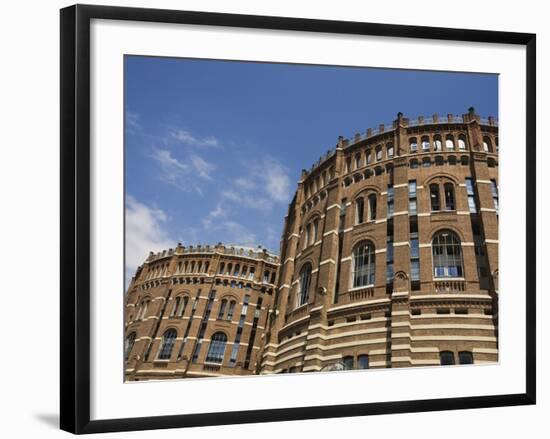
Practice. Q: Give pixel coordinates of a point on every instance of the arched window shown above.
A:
(216, 350)
(183, 306)
(357, 161)
(449, 141)
(449, 196)
(425, 143)
(359, 210)
(447, 358)
(129, 344)
(369, 156)
(176, 306)
(487, 147)
(142, 310)
(168, 341)
(231, 310)
(462, 142)
(378, 153)
(437, 142)
(389, 148)
(237, 270)
(413, 145)
(363, 361)
(348, 165)
(229, 268)
(244, 271)
(372, 207)
(251, 273)
(306, 236)
(221, 312)
(363, 265)
(447, 255)
(434, 197)
(305, 281)
(465, 357)
(348, 362)
(315, 229)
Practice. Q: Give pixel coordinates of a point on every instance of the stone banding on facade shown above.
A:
(389, 258)
(402, 192)
(198, 311)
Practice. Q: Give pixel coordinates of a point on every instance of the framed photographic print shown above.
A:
(286, 218)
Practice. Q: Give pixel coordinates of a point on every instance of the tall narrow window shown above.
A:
(181, 311)
(251, 273)
(372, 207)
(434, 197)
(363, 265)
(369, 156)
(447, 358)
(437, 142)
(389, 259)
(222, 267)
(357, 161)
(305, 280)
(217, 348)
(129, 345)
(306, 236)
(449, 142)
(390, 150)
(348, 165)
(168, 341)
(363, 361)
(378, 153)
(425, 143)
(462, 142)
(176, 306)
(494, 191)
(390, 201)
(447, 255)
(359, 211)
(412, 197)
(237, 270)
(487, 145)
(413, 145)
(449, 196)
(315, 230)
(221, 312)
(471, 195)
(231, 310)
(415, 255)
(465, 357)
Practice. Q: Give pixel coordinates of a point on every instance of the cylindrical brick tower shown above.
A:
(198, 311)
(389, 255)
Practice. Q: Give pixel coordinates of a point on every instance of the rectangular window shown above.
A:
(390, 201)
(471, 195)
(494, 191)
(412, 206)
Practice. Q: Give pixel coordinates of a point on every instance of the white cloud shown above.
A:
(265, 182)
(202, 167)
(189, 139)
(132, 122)
(144, 233)
(180, 174)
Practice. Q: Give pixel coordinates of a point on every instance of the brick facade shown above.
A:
(197, 292)
(404, 194)
(397, 320)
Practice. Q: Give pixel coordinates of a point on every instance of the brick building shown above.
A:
(389, 255)
(198, 311)
(388, 258)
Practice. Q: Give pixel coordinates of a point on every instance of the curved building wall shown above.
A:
(389, 255)
(198, 311)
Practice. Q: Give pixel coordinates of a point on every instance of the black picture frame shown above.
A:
(75, 217)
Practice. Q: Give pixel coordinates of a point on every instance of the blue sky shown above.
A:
(214, 149)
